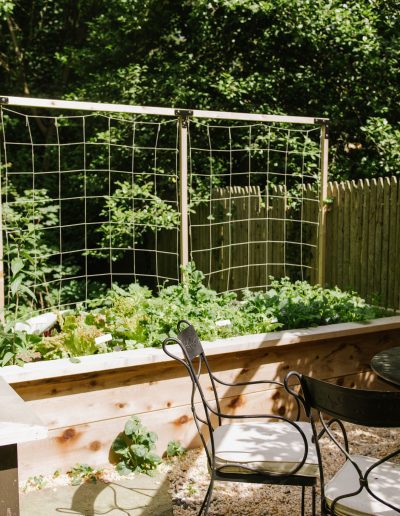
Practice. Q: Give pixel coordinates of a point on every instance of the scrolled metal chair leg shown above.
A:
(314, 494)
(303, 490)
(207, 499)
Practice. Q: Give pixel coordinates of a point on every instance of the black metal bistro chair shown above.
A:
(276, 450)
(363, 485)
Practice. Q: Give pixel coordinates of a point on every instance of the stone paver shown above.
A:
(142, 495)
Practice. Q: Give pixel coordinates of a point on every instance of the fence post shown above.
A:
(183, 121)
(322, 200)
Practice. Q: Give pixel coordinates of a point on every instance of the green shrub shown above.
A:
(174, 449)
(17, 347)
(81, 473)
(135, 449)
(133, 318)
(301, 305)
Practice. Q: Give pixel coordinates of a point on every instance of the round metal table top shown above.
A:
(386, 364)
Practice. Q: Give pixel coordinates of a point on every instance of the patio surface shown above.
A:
(178, 488)
(141, 495)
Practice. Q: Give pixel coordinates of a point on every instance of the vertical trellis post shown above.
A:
(2, 286)
(2, 296)
(323, 208)
(183, 121)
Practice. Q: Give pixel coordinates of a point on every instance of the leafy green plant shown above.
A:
(206, 309)
(191, 488)
(81, 473)
(17, 347)
(133, 318)
(135, 449)
(300, 305)
(36, 482)
(174, 449)
(30, 272)
(133, 209)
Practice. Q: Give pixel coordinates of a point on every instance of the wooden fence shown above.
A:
(255, 234)
(363, 238)
(244, 235)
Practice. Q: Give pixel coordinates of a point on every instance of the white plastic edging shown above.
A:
(122, 359)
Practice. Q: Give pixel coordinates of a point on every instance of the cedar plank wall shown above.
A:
(85, 413)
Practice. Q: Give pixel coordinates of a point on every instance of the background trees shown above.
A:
(312, 57)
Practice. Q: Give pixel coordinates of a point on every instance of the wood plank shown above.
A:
(149, 110)
(256, 237)
(245, 232)
(275, 231)
(313, 217)
(393, 258)
(384, 288)
(354, 222)
(226, 195)
(372, 221)
(18, 422)
(90, 443)
(341, 217)
(396, 302)
(377, 253)
(146, 389)
(330, 243)
(333, 261)
(346, 235)
(235, 234)
(366, 379)
(365, 236)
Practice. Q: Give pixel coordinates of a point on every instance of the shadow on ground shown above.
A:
(141, 495)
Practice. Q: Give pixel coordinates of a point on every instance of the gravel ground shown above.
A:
(189, 480)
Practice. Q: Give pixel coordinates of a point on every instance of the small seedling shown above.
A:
(191, 489)
(36, 482)
(134, 447)
(174, 449)
(83, 473)
(57, 473)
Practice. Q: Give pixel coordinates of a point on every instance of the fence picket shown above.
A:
(371, 237)
(363, 288)
(385, 241)
(393, 257)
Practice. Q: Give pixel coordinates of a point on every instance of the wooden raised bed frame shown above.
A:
(85, 405)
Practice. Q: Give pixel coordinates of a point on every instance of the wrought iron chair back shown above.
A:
(192, 349)
(207, 420)
(367, 408)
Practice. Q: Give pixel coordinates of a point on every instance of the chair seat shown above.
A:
(268, 447)
(384, 481)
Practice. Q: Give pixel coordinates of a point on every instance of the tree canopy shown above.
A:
(312, 57)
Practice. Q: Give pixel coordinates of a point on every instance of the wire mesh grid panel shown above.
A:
(88, 200)
(254, 202)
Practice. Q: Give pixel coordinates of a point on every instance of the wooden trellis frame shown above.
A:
(183, 116)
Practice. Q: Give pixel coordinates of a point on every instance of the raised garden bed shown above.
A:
(86, 404)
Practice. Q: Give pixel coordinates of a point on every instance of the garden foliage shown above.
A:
(299, 57)
(134, 447)
(134, 318)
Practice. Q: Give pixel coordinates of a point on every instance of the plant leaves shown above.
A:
(123, 469)
(119, 445)
(17, 264)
